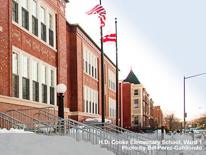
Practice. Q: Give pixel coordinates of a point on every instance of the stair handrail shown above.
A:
(34, 121)
(86, 126)
(13, 122)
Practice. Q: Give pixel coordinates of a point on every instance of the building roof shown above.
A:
(132, 78)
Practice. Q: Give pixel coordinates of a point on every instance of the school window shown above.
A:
(90, 100)
(51, 32)
(86, 61)
(52, 91)
(25, 14)
(15, 74)
(44, 86)
(25, 77)
(43, 23)
(35, 83)
(112, 80)
(28, 81)
(34, 18)
(15, 11)
(90, 63)
(112, 108)
(95, 68)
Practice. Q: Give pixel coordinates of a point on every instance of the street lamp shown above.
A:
(188, 77)
(61, 89)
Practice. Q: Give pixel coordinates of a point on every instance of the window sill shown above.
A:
(91, 76)
(23, 102)
(114, 91)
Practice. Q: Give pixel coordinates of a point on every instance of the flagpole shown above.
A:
(117, 78)
(102, 73)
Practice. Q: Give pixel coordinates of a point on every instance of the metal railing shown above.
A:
(31, 123)
(9, 122)
(103, 134)
(111, 137)
(120, 130)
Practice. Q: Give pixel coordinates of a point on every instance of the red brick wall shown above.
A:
(77, 78)
(62, 75)
(157, 112)
(5, 47)
(32, 46)
(126, 102)
(72, 68)
(13, 35)
(76, 38)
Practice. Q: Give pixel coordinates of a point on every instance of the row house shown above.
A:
(137, 106)
(158, 117)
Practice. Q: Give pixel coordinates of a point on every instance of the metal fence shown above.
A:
(45, 121)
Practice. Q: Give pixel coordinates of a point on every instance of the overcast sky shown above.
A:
(161, 40)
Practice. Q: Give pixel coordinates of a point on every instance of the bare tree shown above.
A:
(173, 123)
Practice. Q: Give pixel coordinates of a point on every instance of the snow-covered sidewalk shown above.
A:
(19, 142)
(12, 143)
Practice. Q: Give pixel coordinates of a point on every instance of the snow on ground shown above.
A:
(32, 144)
(12, 143)
(199, 138)
(13, 131)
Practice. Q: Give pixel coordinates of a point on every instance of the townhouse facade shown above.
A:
(137, 106)
(158, 116)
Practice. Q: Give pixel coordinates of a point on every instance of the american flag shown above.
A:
(110, 37)
(98, 9)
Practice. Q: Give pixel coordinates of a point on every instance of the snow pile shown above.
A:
(13, 131)
(32, 144)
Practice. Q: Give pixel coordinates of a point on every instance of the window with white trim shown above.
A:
(25, 14)
(43, 23)
(136, 103)
(43, 19)
(36, 83)
(51, 29)
(34, 18)
(52, 84)
(44, 85)
(15, 74)
(25, 77)
(90, 100)
(112, 80)
(90, 63)
(112, 108)
(136, 92)
(15, 11)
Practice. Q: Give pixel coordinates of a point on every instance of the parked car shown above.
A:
(148, 130)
